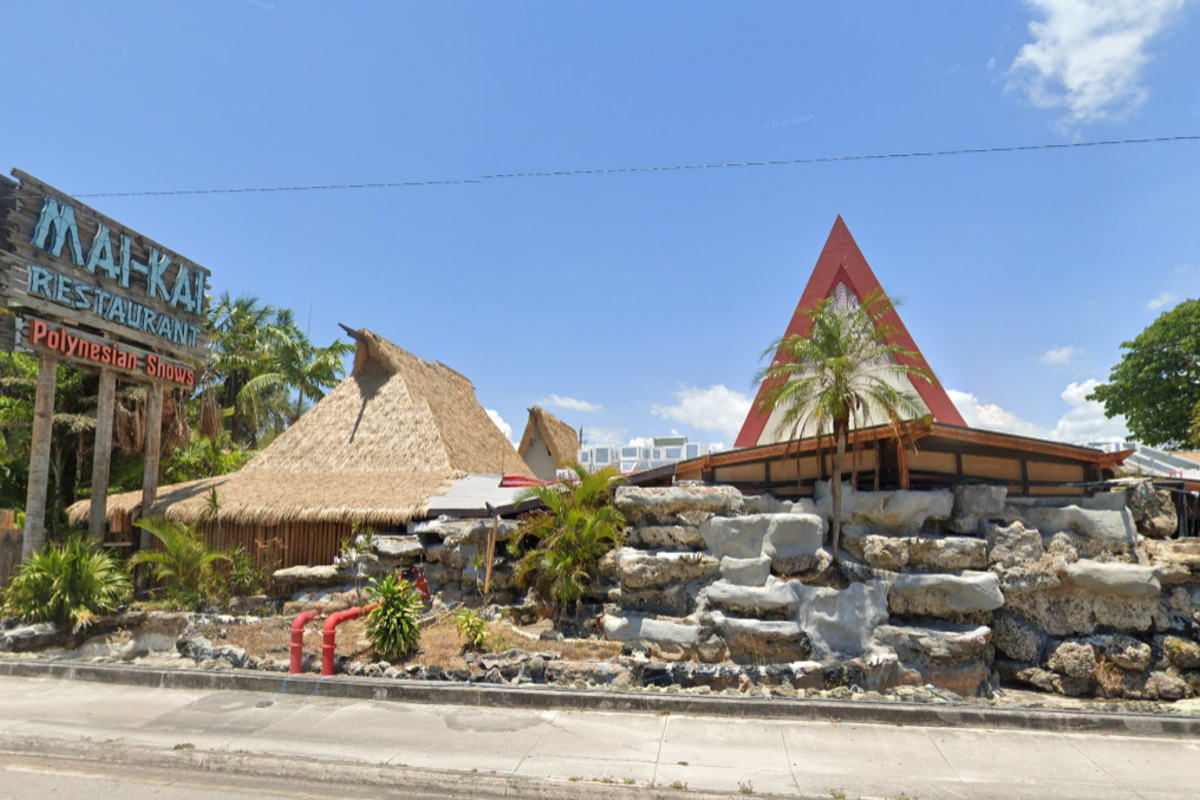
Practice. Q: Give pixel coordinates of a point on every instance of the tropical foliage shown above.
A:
(394, 626)
(1156, 386)
(472, 627)
(184, 563)
(839, 376)
(560, 547)
(68, 584)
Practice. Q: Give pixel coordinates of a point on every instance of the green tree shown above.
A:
(67, 583)
(1156, 385)
(185, 563)
(294, 363)
(578, 525)
(836, 378)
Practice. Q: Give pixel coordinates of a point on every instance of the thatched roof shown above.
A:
(394, 433)
(561, 439)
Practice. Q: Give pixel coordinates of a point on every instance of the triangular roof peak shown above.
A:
(842, 264)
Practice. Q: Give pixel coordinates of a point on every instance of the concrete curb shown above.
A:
(543, 698)
(416, 782)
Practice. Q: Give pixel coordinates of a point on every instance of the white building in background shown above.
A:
(661, 451)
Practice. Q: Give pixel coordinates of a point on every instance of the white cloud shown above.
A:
(1083, 422)
(604, 437)
(1087, 56)
(716, 408)
(569, 403)
(641, 441)
(504, 427)
(992, 417)
(1162, 301)
(1058, 356)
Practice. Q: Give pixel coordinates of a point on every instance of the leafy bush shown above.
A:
(395, 625)
(245, 577)
(472, 627)
(185, 564)
(578, 526)
(68, 584)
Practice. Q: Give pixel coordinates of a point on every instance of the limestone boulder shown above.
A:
(21, 638)
(944, 596)
(792, 541)
(889, 512)
(455, 532)
(760, 641)
(942, 644)
(1165, 686)
(1114, 578)
(841, 623)
(775, 600)
(666, 537)
(976, 503)
(600, 674)
(1153, 511)
(1125, 651)
(1182, 653)
(635, 628)
(1177, 561)
(399, 548)
(1068, 610)
(1016, 638)
(675, 600)
(746, 571)
(325, 575)
(678, 505)
(932, 554)
(1114, 528)
(1013, 545)
(638, 569)
(1075, 659)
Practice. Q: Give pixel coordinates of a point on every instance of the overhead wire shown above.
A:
(661, 168)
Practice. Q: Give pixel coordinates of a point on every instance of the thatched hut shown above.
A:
(547, 444)
(378, 450)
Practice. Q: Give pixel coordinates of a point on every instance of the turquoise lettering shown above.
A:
(39, 280)
(59, 220)
(155, 285)
(182, 294)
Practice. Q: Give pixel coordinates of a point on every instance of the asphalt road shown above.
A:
(377, 747)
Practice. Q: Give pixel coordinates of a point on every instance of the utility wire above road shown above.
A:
(673, 167)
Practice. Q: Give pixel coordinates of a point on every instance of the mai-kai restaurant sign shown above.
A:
(94, 291)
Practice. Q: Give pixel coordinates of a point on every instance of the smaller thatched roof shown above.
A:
(396, 432)
(561, 439)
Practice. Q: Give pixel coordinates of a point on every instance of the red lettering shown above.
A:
(37, 331)
(54, 339)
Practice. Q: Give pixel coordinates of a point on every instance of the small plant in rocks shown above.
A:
(69, 584)
(394, 626)
(472, 627)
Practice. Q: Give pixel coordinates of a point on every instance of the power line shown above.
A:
(667, 168)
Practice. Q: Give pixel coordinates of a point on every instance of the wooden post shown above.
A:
(154, 409)
(902, 463)
(102, 455)
(39, 456)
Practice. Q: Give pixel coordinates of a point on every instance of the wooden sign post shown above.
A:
(86, 290)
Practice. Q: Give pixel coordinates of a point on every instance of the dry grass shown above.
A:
(441, 645)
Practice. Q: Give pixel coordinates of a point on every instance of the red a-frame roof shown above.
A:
(842, 262)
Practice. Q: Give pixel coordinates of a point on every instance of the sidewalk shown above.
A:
(492, 752)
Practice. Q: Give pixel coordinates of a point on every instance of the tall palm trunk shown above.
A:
(840, 428)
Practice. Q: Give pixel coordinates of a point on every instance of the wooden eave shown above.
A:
(932, 436)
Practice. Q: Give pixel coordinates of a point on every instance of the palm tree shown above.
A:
(185, 562)
(836, 378)
(577, 527)
(293, 362)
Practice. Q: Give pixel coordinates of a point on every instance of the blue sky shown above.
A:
(637, 304)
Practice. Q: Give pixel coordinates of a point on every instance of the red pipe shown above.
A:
(335, 619)
(298, 640)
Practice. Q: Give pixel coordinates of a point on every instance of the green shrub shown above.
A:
(185, 564)
(472, 627)
(245, 577)
(68, 584)
(577, 527)
(395, 625)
